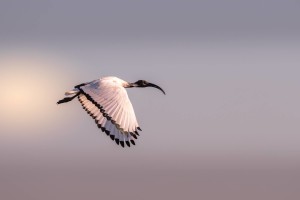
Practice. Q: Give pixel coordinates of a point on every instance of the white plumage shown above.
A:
(106, 100)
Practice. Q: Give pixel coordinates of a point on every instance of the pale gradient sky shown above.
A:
(228, 127)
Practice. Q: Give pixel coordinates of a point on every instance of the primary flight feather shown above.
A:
(106, 100)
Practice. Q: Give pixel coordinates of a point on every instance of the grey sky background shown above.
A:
(228, 127)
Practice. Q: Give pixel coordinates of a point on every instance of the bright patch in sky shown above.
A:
(28, 85)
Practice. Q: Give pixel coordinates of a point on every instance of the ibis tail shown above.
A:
(74, 92)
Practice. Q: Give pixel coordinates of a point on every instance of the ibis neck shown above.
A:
(128, 85)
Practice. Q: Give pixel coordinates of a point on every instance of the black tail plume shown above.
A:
(67, 99)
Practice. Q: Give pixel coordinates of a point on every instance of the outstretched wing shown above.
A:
(108, 103)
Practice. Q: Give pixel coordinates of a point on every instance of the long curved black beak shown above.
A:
(155, 86)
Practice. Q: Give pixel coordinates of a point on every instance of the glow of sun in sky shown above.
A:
(28, 84)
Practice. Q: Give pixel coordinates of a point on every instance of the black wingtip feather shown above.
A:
(136, 133)
(122, 143)
(117, 141)
(133, 135)
(128, 143)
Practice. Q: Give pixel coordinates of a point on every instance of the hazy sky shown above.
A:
(228, 127)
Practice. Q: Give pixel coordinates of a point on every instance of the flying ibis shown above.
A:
(106, 100)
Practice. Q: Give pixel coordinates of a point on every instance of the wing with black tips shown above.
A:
(108, 103)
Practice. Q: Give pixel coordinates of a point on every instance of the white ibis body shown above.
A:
(106, 100)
